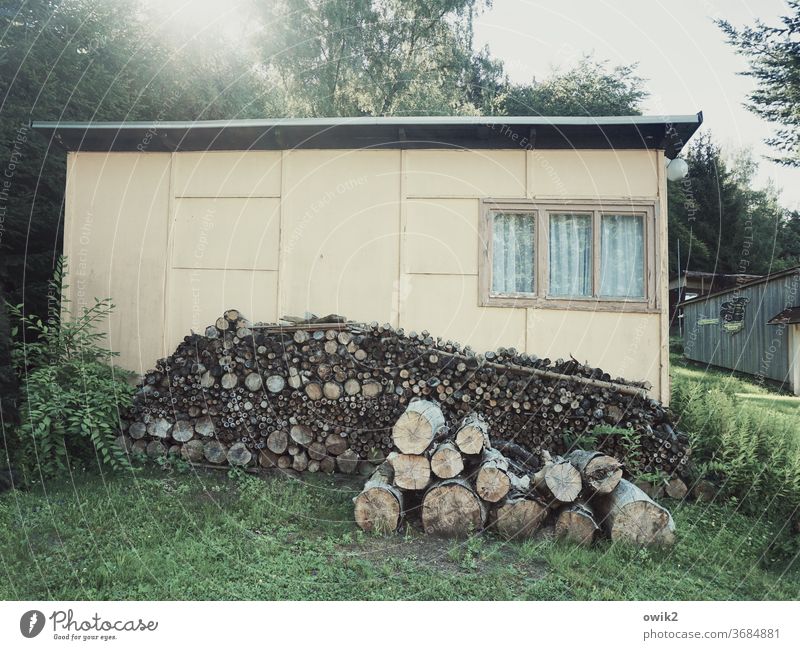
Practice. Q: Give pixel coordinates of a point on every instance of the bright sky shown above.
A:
(680, 51)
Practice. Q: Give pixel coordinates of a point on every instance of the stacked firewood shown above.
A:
(322, 394)
(454, 482)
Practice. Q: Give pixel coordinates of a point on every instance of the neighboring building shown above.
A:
(693, 284)
(543, 234)
(750, 328)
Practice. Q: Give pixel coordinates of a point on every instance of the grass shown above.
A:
(161, 535)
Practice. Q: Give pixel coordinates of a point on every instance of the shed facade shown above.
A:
(444, 224)
(732, 328)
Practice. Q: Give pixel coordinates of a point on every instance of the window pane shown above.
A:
(622, 256)
(570, 255)
(513, 252)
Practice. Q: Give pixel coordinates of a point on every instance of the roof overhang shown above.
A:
(667, 132)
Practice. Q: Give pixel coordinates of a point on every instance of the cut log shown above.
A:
(301, 434)
(379, 507)
(137, 430)
(239, 455)
(347, 462)
(215, 451)
(192, 451)
(278, 441)
(327, 465)
(629, 515)
(182, 431)
(276, 383)
(704, 491)
(331, 390)
(472, 436)
(253, 382)
(352, 387)
(447, 461)
(492, 482)
(204, 426)
(411, 471)
(300, 461)
(317, 451)
(267, 458)
(371, 389)
(600, 473)
(519, 517)
(576, 523)
(156, 449)
(229, 380)
(452, 509)
(335, 444)
(416, 427)
(314, 391)
(558, 479)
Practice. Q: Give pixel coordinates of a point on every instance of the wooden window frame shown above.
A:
(541, 211)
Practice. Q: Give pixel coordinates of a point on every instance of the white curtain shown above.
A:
(622, 256)
(570, 255)
(512, 252)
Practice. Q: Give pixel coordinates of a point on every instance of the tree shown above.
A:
(723, 223)
(350, 58)
(773, 54)
(590, 88)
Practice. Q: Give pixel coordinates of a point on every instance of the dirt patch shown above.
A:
(452, 556)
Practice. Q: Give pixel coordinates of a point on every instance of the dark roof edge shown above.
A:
(766, 278)
(668, 132)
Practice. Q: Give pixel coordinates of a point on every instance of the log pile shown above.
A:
(453, 483)
(322, 395)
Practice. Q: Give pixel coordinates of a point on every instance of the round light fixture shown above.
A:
(677, 169)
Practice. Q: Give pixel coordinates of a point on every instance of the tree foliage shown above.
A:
(723, 222)
(773, 54)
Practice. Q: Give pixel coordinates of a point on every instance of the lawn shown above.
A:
(170, 535)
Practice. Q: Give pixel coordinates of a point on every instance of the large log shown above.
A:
(447, 461)
(472, 436)
(558, 479)
(416, 427)
(379, 506)
(452, 509)
(600, 473)
(493, 482)
(576, 523)
(629, 515)
(411, 471)
(519, 517)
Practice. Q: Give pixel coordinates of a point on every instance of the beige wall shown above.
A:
(383, 235)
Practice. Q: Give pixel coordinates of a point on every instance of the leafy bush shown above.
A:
(72, 396)
(752, 452)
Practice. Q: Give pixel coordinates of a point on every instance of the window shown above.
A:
(514, 250)
(582, 256)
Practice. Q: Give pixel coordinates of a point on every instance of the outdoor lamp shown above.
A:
(677, 168)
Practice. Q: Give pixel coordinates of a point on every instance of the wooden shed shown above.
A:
(750, 328)
(545, 234)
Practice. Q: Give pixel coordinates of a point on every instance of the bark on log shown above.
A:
(519, 517)
(577, 523)
(416, 427)
(379, 506)
(600, 473)
(452, 509)
(629, 515)
(446, 461)
(472, 436)
(347, 462)
(492, 482)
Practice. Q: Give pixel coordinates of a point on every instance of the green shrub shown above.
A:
(71, 395)
(751, 451)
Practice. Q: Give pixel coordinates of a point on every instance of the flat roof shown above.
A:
(667, 132)
(777, 275)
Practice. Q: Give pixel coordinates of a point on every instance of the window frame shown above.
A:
(541, 211)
